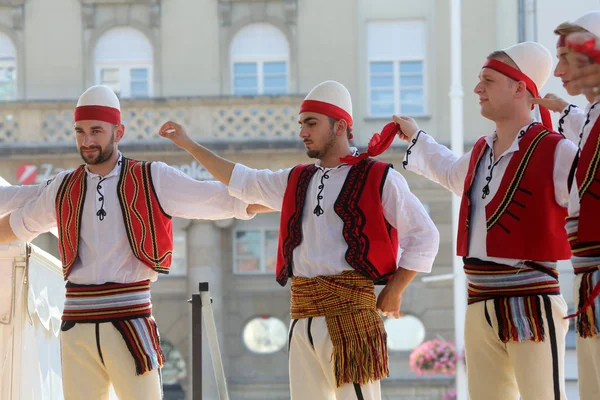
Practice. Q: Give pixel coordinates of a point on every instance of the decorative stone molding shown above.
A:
(115, 2)
(225, 11)
(12, 3)
(257, 10)
(154, 10)
(88, 14)
(290, 8)
(17, 14)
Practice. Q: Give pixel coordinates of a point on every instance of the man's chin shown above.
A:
(312, 153)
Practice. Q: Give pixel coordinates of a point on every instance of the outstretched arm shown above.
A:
(430, 159)
(217, 166)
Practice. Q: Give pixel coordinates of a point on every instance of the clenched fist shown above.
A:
(408, 127)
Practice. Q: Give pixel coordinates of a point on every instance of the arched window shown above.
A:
(123, 60)
(8, 69)
(259, 56)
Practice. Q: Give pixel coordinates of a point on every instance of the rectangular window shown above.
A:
(139, 82)
(258, 78)
(396, 68)
(8, 80)
(110, 77)
(255, 251)
(127, 81)
(245, 79)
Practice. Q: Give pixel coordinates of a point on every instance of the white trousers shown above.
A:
(503, 371)
(94, 356)
(588, 359)
(311, 365)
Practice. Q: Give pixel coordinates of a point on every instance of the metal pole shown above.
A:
(196, 346)
(457, 143)
(213, 342)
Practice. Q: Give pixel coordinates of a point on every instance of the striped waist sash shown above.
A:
(490, 280)
(128, 307)
(580, 249)
(347, 301)
(586, 262)
(515, 293)
(107, 302)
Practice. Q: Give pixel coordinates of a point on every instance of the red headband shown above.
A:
(517, 75)
(97, 113)
(327, 109)
(562, 41)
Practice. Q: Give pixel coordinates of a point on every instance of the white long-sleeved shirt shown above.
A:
(577, 126)
(322, 250)
(15, 197)
(438, 164)
(104, 251)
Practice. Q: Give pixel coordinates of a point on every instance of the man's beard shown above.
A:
(319, 154)
(103, 153)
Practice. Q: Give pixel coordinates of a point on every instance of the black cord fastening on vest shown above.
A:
(486, 188)
(318, 211)
(101, 213)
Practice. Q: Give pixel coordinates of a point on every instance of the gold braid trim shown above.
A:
(347, 302)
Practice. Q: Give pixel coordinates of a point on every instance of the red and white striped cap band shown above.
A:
(326, 109)
(97, 113)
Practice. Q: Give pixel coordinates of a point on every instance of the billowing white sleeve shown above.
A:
(184, 197)
(418, 237)
(262, 186)
(436, 162)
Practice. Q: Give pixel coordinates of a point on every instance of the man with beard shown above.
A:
(343, 220)
(514, 189)
(115, 236)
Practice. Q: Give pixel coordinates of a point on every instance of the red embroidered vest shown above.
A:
(523, 220)
(588, 181)
(372, 241)
(149, 228)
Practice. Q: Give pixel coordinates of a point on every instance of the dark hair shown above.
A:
(332, 121)
(502, 56)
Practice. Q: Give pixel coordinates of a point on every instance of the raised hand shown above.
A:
(552, 102)
(408, 127)
(176, 133)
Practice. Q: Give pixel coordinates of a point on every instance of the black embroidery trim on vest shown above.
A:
(516, 181)
(294, 225)
(346, 207)
(587, 121)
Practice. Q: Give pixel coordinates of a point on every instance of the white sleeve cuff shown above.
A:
(416, 262)
(240, 210)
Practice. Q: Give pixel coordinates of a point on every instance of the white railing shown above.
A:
(232, 119)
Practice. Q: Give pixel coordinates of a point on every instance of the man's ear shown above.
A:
(342, 128)
(119, 132)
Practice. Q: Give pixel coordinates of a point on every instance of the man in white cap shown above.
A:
(583, 223)
(513, 185)
(343, 220)
(115, 236)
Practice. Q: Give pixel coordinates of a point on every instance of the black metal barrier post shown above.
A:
(196, 301)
